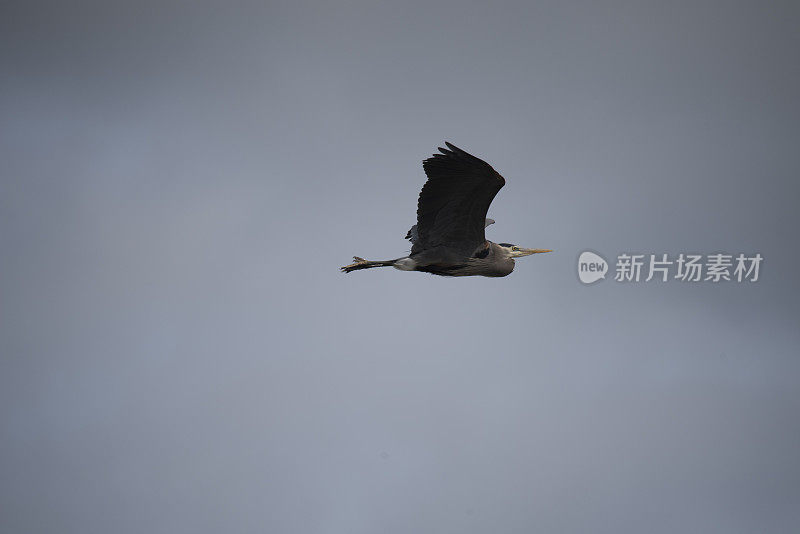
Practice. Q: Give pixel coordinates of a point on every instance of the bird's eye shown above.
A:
(515, 249)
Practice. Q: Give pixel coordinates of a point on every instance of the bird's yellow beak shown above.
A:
(528, 251)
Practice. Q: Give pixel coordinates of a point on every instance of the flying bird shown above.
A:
(449, 238)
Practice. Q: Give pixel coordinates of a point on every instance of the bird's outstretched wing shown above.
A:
(453, 202)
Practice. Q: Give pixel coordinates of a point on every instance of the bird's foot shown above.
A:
(359, 264)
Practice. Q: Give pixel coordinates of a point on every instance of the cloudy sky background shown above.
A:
(181, 181)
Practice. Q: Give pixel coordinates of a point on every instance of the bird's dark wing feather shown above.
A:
(453, 202)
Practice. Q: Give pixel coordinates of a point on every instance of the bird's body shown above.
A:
(449, 238)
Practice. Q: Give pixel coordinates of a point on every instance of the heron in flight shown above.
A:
(449, 238)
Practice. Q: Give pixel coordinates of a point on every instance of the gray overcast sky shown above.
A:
(181, 181)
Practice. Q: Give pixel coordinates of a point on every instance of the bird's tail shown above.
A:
(361, 263)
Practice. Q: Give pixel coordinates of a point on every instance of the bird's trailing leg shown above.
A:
(361, 263)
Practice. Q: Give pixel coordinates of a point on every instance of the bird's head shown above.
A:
(514, 251)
